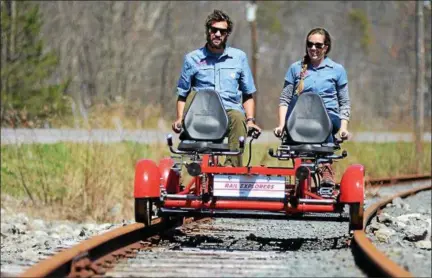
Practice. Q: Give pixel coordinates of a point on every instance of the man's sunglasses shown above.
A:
(318, 45)
(214, 30)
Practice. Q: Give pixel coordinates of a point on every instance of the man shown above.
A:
(226, 70)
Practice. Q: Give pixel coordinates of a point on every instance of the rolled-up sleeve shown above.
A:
(290, 75)
(246, 81)
(286, 95)
(185, 81)
(343, 95)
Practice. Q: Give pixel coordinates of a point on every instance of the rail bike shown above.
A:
(284, 192)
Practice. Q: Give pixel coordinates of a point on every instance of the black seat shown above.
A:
(202, 147)
(308, 126)
(205, 124)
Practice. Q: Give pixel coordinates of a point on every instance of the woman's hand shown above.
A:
(343, 131)
(278, 131)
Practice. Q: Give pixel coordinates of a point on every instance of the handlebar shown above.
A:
(292, 154)
(253, 132)
(176, 151)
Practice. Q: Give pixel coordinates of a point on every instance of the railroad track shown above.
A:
(172, 244)
(375, 261)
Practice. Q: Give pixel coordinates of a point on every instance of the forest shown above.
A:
(64, 60)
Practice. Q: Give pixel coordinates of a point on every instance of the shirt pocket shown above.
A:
(204, 78)
(328, 85)
(229, 79)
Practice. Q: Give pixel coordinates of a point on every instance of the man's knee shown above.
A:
(236, 129)
(237, 124)
(188, 102)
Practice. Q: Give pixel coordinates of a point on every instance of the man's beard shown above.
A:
(220, 46)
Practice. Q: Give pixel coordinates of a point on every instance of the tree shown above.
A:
(29, 98)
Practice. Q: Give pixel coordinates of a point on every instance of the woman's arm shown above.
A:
(344, 109)
(344, 102)
(284, 101)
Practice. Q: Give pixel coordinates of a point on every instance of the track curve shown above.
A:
(102, 254)
(379, 261)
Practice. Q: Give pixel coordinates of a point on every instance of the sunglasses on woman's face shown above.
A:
(318, 45)
(214, 30)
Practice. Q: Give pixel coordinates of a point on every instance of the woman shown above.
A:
(319, 74)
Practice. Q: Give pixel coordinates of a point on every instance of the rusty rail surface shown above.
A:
(398, 179)
(94, 256)
(380, 264)
(97, 254)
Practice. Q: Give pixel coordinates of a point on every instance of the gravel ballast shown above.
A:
(304, 248)
(402, 231)
(26, 241)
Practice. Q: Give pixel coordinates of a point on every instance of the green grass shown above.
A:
(379, 159)
(81, 181)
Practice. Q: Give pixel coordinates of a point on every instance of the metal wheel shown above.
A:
(143, 210)
(356, 216)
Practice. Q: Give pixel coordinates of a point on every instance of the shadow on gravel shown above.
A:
(301, 244)
(178, 239)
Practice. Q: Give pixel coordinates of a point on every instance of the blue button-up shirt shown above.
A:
(329, 80)
(227, 73)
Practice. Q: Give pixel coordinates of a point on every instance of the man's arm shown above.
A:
(180, 107)
(247, 86)
(249, 105)
(183, 88)
(177, 124)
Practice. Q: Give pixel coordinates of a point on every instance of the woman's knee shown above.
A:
(336, 122)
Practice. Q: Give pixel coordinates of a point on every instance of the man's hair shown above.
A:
(216, 16)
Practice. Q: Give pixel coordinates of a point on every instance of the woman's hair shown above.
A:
(216, 16)
(306, 60)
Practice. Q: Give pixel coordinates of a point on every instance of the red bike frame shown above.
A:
(311, 202)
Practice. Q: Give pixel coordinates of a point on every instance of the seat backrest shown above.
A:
(206, 119)
(309, 122)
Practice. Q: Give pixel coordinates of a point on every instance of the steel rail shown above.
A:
(119, 243)
(368, 254)
(94, 255)
(397, 179)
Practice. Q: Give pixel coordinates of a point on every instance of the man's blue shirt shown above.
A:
(228, 73)
(325, 80)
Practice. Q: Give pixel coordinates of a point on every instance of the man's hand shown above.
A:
(256, 130)
(177, 125)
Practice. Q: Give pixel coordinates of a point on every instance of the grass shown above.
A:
(379, 159)
(131, 116)
(90, 181)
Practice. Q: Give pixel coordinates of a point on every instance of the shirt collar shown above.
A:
(204, 53)
(327, 63)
